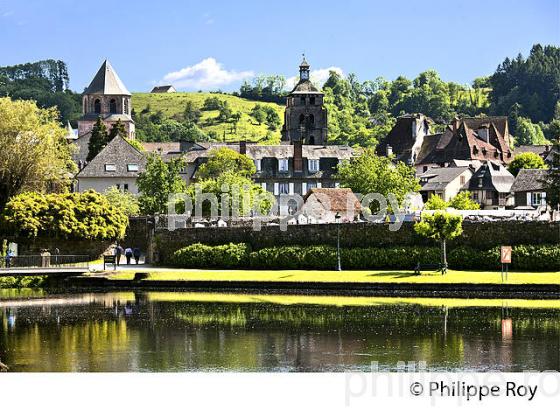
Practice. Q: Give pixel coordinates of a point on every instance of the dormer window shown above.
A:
(283, 165)
(313, 165)
(132, 167)
(110, 168)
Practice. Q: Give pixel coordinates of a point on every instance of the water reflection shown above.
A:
(158, 331)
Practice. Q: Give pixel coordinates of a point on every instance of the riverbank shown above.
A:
(461, 284)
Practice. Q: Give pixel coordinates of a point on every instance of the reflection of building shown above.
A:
(305, 118)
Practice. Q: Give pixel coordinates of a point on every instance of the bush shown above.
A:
(206, 256)
(321, 257)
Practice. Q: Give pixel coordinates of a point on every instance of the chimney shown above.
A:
(389, 150)
(298, 156)
(243, 147)
(455, 124)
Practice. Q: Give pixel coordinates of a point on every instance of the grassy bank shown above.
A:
(308, 276)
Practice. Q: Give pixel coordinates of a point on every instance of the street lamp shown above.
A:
(337, 219)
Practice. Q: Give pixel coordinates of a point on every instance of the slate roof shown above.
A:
(305, 87)
(335, 199)
(400, 138)
(439, 178)
(494, 177)
(461, 140)
(529, 180)
(106, 82)
(119, 153)
(162, 88)
(542, 150)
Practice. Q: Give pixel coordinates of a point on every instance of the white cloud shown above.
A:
(207, 74)
(318, 77)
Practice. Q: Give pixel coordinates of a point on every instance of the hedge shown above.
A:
(524, 257)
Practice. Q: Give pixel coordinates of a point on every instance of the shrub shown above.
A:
(206, 256)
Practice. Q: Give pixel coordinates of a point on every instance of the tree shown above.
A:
(435, 202)
(88, 215)
(440, 226)
(258, 113)
(117, 129)
(528, 133)
(98, 140)
(552, 181)
(224, 160)
(34, 154)
(369, 173)
(526, 160)
(192, 113)
(156, 183)
(463, 201)
(272, 119)
(126, 202)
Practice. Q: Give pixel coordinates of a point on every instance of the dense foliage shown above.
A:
(34, 154)
(461, 201)
(87, 215)
(157, 182)
(322, 257)
(223, 160)
(552, 183)
(370, 173)
(526, 160)
(124, 201)
(45, 82)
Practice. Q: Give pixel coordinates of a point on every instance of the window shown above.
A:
(283, 165)
(132, 167)
(113, 106)
(301, 119)
(283, 188)
(97, 106)
(258, 165)
(126, 105)
(311, 185)
(480, 182)
(462, 180)
(110, 167)
(536, 198)
(302, 100)
(475, 196)
(311, 140)
(313, 165)
(311, 119)
(125, 188)
(312, 100)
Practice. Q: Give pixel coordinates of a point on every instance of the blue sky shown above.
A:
(217, 44)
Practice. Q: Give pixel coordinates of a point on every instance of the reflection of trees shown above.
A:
(131, 333)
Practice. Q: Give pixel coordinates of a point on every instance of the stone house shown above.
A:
(118, 164)
(444, 182)
(528, 188)
(163, 89)
(490, 186)
(280, 169)
(322, 205)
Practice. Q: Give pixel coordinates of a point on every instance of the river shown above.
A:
(180, 331)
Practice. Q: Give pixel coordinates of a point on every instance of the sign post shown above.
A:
(505, 258)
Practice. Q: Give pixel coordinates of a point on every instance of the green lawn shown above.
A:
(347, 276)
(174, 103)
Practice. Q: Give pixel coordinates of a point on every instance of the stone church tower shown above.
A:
(108, 98)
(305, 118)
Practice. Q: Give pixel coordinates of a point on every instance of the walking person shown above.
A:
(136, 252)
(128, 254)
(9, 256)
(118, 252)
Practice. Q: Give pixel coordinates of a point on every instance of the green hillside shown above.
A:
(173, 105)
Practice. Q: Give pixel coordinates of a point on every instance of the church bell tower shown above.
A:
(305, 118)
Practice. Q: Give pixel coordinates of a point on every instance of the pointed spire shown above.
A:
(304, 63)
(107, 82)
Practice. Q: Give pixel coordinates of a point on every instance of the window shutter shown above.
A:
(318, 185)
(264, 185)
(276, 188)
(528, 198)
(304, 188)
(291, 188)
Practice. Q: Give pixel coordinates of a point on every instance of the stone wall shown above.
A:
(477, 235)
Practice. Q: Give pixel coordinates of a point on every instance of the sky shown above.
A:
(210, 45)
